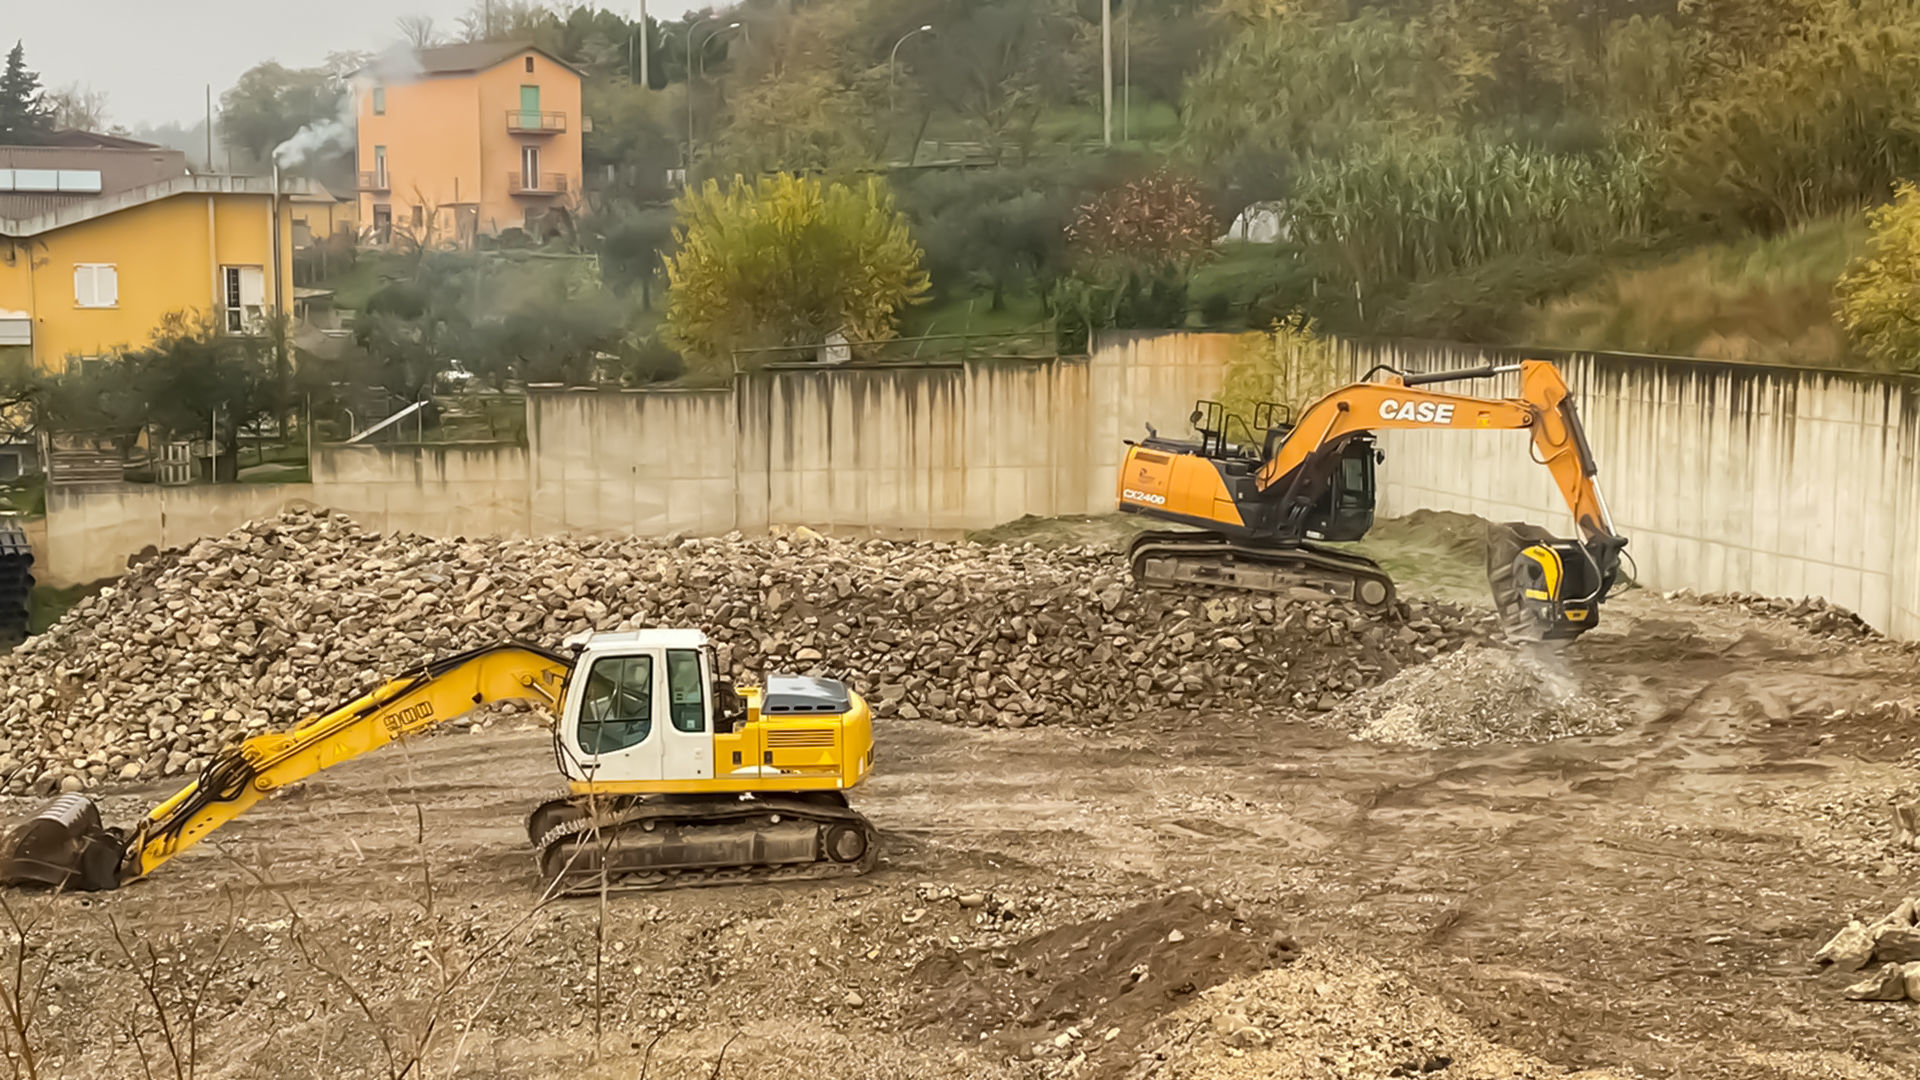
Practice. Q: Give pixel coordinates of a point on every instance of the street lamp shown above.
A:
(703, 74)
(895, 55)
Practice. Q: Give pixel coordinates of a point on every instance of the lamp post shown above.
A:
(703, 74)
(641, 33)
(895, 55)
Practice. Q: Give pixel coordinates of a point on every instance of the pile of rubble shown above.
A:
(285, 618)
(1474, 696)
(1893, 942)
(1816, 615)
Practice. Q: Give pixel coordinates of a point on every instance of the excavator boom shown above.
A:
(66, 844)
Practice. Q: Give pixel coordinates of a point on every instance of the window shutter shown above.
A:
(96, 285)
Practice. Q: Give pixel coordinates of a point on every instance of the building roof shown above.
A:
(478, 56)
(316, 193)
(81, 210)
(73, 138)
(115, 168)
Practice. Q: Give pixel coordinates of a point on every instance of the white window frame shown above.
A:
(379, 101)
(237, 315)
(89, 297)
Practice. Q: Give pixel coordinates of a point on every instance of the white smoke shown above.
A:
(335, 134)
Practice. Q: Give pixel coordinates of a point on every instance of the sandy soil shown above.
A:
(1193, 895)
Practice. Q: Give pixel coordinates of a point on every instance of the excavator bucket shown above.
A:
(1545, 588)
(64, 845)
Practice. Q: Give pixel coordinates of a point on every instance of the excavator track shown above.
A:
(1177, 558)
(650, 843)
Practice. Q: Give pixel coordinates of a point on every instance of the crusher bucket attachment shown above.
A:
(64, 846)
(1544, 588)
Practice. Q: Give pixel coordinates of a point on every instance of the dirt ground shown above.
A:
(1194, 895)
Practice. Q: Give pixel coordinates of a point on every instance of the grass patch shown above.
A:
(353, 286)
(26, 496)
(47, 604)
(974, 315)
(1757, 299)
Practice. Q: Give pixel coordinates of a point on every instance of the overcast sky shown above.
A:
(154, 58)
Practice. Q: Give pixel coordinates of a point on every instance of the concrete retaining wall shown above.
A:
(92, 531)
(457, 489)
(924, 450)
(1725, 476)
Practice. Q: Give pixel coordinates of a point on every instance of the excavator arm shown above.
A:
(66, 844)
(1545, 407)
(1543, 587)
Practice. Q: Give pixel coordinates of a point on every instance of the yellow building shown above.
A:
(95, 276)
(485, 137)
(319, 215)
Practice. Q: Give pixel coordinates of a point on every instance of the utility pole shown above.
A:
(1106, 72)
(644, 47)
(209, 127)
(1126, 74)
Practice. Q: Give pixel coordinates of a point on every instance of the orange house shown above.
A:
(482, 138)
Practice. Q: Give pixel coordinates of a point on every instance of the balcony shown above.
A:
(536, 123)
(550, 183)
(374, 181)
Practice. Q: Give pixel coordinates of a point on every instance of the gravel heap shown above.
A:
(1892, 941)
(1816, 615)
(1334, 1017)
(1477, 695)
(285, 618)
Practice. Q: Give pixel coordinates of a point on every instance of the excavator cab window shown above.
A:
(686, 698)
(617, 711)
(1343, 509)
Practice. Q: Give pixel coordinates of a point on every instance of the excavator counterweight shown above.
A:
(675, 777)
(1264, 512)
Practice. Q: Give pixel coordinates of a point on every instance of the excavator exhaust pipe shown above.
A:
(64, 846)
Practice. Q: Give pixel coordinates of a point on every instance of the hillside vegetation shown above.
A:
(1764, 299)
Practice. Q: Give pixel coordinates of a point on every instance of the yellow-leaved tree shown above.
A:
(787, 261)
(1878, 298)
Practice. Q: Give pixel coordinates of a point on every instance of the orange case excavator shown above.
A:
(1265, 509)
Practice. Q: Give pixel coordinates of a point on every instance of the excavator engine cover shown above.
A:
(63, 845)
(1546, 588)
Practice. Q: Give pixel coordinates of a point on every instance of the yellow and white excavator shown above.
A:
(675, 778)
(1262, 510)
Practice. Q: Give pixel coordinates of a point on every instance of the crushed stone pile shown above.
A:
(1816, 615)
(1477, 695)
(1892, 942)
(285, 618)
(1332, 1017)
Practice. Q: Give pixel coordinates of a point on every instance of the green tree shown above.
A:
(1001, 64)
(788, 260)
(1878, 298)
(996, 230)
(1827, 122)
(270, 103)
(630, 242)
(25, 118)
(1302, 87)
(172, 387)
